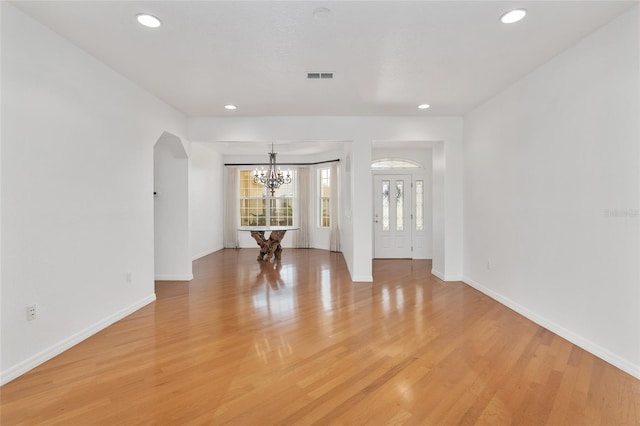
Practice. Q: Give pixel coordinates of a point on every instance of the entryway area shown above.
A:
(402, 205)
(392, 216)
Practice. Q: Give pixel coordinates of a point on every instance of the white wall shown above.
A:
(77, 184)
(206, 198)
(551, 194)
(172, 258)
(346, 203)
(360, 131)
(438, 266)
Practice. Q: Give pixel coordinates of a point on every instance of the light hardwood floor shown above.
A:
(248, 344)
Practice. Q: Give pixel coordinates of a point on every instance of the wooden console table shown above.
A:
(269, 247)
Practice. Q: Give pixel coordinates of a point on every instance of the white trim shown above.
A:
(410, 164)
(576, 339)
(45, 355)
(362, 279)
(173, 277)
(437, 274)
(446, 278)
(203, 254)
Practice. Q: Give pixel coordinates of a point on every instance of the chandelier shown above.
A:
(273, 177)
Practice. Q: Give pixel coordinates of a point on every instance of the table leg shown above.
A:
(273, 245)
(261, 240)
(269, 247)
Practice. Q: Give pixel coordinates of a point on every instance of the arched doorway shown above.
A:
(171, 210)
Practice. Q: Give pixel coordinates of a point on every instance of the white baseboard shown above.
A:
(45, 355)
(204, 253)
(173, 277)
(576, 339)
(200, 255)
(444, 277)
(437, 274)
(362, 278)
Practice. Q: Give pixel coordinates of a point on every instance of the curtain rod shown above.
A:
(283, 164)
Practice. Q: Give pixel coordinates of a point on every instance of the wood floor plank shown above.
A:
(296, 342)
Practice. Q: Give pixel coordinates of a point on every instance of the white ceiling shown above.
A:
(387, 56)
(289, 148)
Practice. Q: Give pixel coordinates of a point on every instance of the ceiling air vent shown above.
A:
(319, 75)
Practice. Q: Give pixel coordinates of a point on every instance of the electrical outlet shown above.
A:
(128, 277)
(31, 312)
(488, 265)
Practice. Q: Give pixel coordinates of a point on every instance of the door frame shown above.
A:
(415, 174)
(408, 187)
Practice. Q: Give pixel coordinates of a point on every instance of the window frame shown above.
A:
(268, 202)
(320, 198)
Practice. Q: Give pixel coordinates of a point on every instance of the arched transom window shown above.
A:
(394, 163)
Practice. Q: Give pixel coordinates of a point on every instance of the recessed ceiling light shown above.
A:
(148, 20)
(513, 16)
(230, 107)
(424, 106)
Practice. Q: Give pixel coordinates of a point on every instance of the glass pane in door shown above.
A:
(385, 205)
(399, 205)
(419, 205)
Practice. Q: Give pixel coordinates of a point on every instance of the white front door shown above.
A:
(392, 216)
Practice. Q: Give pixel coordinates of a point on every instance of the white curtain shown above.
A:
(334, 223)
(230, 230)
(302, 235)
